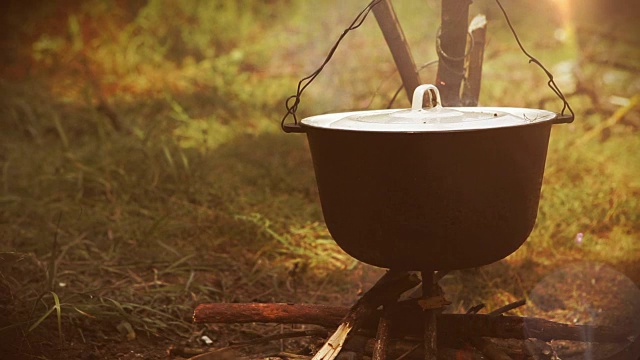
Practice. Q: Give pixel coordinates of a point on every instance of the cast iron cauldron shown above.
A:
(436, 188)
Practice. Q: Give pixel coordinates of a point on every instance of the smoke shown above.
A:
(361, 73)
(587, 293)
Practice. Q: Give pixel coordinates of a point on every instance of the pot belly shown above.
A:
(418, 201)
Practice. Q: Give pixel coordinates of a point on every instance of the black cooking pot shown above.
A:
(438, 188)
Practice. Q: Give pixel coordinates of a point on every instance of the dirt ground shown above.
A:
(578, 293)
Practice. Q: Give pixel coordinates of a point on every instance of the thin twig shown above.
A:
(612, 120)
(409, 352)
(489, 349)
(508, 307)
(474, 309)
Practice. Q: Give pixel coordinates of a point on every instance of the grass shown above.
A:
(109, 234)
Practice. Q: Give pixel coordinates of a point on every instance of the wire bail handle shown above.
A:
(561, 118)
(293, 101)
(307, 80)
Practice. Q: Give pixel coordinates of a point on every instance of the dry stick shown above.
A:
(385, 291)
(471, 88)
(508, 307)
(486, 347)
(239, 313)
(382, 337)
(451, 49)
(612, 120)
(516, 348)
(417, 293)
(393, 35)
(515, 327)
(449, 325)
(489, 349)
(430, 330)
(408, 352)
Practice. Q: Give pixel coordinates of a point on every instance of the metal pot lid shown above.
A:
(433, 119)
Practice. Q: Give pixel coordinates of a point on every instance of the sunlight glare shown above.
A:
(566, 32)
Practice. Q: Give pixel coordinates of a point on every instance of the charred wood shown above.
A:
(405, 324)
(397, 43)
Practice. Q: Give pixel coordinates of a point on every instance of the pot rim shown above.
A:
(516, 117)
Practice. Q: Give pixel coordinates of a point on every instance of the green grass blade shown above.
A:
(41, 319)
(58, 309)
(173, 266)
(60, 130)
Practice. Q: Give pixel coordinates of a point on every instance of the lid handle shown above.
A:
(418, 97)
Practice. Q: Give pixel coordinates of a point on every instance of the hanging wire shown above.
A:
(551, 83)
(446, 59)
(395, 95)
(380, 85)
(443, 56)
(293, 101)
